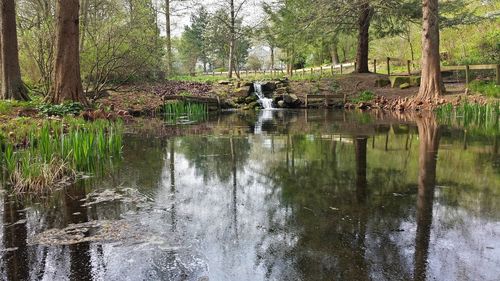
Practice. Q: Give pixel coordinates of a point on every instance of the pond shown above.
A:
(277, 195)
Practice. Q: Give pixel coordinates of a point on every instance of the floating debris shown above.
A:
(124, 195)
(94, 231)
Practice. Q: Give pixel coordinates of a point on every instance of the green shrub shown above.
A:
(365, 96)
(486, 88)
(61, 109)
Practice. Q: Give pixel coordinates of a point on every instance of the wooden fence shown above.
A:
(376, 66)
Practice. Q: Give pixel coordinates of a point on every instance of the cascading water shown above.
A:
(265, 102)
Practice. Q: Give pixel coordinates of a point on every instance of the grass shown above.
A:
(184, 112)
(487, 88)
(39, 155)
(474, 117)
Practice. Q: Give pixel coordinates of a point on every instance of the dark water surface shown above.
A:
(284, 195)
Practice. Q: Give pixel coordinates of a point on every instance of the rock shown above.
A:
(252, 105)
(397, 81)
(382, 82)
(242, 91)
(291, 100)
(251, 98)
(224, 82)
(281, 103)
(415, 81)
(364, 106)
(269, 86)
(404, 86)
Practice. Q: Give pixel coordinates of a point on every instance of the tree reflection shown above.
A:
(429, 136)
(15, 234)
(81, 267)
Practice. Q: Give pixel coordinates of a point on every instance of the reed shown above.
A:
(471, 116)
(56, 149)
(185, 111)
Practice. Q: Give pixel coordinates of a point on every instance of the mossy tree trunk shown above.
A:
(12, 86)
(431, 86)
(67, 84)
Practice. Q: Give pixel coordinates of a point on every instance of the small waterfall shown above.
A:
(265, 102)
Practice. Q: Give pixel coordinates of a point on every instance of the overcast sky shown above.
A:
(251, 13)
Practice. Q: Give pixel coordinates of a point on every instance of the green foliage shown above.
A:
(487, 88)
(365, 96)
(73, 108)
(481, 119)
(42, 154)
(184, 112)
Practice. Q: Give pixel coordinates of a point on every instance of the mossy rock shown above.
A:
(415, 81)
(251, 98)
(404, 86)
(382, 82)
(397, 81)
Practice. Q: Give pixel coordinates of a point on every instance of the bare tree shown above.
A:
(432, 85)
(12, 84)
(67, 83)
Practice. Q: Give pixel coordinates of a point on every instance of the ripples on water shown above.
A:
(288, 195)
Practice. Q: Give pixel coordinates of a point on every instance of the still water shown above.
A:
(280, 195)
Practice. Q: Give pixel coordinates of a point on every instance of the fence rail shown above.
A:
(375, 64)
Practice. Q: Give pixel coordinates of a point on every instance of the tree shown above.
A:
(364, 20)
(67, 83)
(168, 30)
(431, 85)
(12, 84)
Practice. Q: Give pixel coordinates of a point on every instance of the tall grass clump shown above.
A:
(53, 151)
(185, 111)
(472, 116)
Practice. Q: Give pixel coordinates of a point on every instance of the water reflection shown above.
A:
(316, 195)
(15, 254)
(429, 136)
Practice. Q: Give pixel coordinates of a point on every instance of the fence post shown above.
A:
(355, 65)
(341, 69)
(388, 66)
(467, 69)
(498, 74)
(375, 66)
(312, 71)
(332, 69)
(321, 71)
(408, 64)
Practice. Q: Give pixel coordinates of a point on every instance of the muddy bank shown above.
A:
(363, 91)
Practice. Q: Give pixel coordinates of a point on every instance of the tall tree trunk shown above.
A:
(84, 11)
(12, 85)
(364, 20)
(431, 85)
(429, 136)
(67, 85)
(231, 40)
(335, 54)
(168, 28)
(272, 57)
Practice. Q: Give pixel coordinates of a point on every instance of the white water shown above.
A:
(265, 102)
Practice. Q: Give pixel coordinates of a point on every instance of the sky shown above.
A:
(252, 12)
